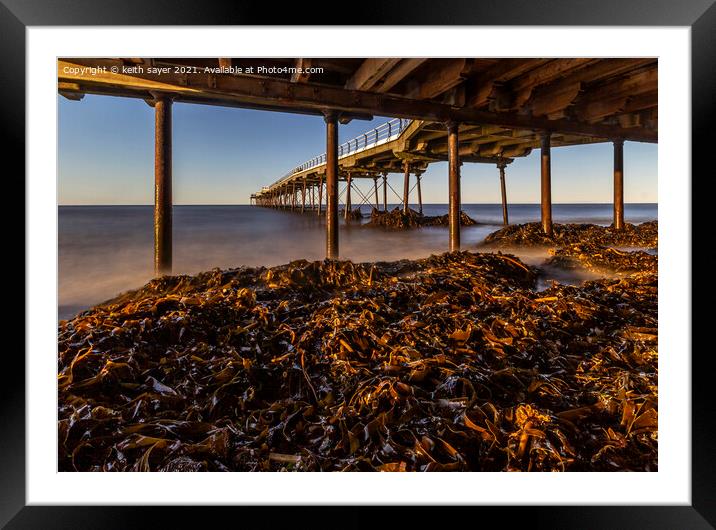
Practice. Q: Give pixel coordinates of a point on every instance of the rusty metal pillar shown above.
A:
(331, 185)
(546, 187)
(320, 194)
(313, 196)
(162, 185)
(619, 184)
(303, 196)
(406, 185)
(453, 186)
(348, 196)
(501, 166)
(385, 192)
(375, 191)
(420, 194)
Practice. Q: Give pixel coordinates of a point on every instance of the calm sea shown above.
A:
(105, 250)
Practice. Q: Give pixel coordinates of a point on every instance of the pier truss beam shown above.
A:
(546, 183)
(453, 186)
(619, 184)
(349, 185)
(162, 185)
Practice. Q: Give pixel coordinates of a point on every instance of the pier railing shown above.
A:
(382, 134)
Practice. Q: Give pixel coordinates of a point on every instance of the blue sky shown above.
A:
(222, 155)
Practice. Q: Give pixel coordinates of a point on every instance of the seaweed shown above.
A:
(398, 219)
(531, 234)
(450, 363)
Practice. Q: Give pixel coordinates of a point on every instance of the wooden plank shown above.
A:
(301, 77)
(597, 110)
(555, 101)
(370, 72)
(548, 72)
(483, 86)
(400, 72)
(446, 74)
(590, 73)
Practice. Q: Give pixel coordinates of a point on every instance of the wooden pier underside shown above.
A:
(605, 98)
(498, 109)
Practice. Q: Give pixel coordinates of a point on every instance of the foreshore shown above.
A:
(456, 362)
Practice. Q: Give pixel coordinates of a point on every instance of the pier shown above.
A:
(459, 110)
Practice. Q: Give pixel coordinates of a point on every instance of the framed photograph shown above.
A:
(400, 262)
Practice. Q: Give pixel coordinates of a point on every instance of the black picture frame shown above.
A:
(699, 15)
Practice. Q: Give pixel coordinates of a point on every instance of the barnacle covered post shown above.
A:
(453, 186)
(546, 187)
(501, 166)
(331, 185)
(162, 184)
(619, 184)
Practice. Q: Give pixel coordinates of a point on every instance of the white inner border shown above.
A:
(670, 485)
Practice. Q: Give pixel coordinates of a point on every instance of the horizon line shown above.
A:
(395, 203)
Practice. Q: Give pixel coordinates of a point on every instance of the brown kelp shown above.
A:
(398, 219)
(531, 234)
(454, 362)
(599, 258)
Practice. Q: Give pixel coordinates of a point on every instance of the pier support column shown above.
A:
(420, 194)
(453, 186)
(375, 191)
(546, 187)
(162, 185)
(385, 192)
(501, 166)
(619, 184)
(406, 186)
(332, 185)
(348, 196)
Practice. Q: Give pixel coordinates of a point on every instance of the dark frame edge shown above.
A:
(12, 391)
(701, 514)
(703, 137)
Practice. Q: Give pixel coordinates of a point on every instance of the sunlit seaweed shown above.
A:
(531, 234)
(450, 363)
(398, 219)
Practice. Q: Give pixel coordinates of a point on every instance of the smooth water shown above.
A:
(105, 250)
